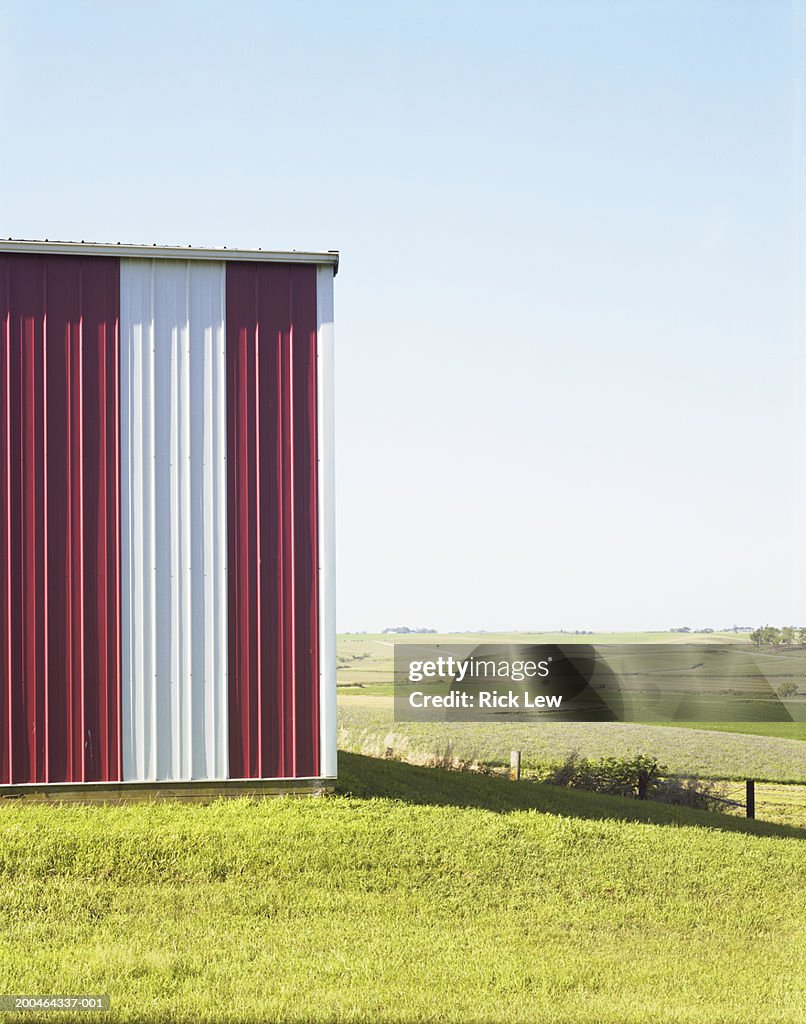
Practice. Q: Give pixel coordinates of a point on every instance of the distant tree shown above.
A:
(766, 636)
(772, 635)
(787, 634)
(802, 635)
(787, 689)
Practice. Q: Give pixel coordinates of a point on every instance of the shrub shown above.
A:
(640, 777)
(619, 776)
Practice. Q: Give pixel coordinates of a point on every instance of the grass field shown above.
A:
(420, 895)
(424, 896)
(366, 724)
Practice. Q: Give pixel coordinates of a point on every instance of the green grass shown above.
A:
(424, 896)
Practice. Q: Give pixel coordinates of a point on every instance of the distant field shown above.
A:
(364, 660)
(658, 674)
(765, 750)
(785, 730)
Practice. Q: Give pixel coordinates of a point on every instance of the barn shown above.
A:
(167, 588)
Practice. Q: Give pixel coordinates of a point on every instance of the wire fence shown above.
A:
(749, 802)
(749, 789)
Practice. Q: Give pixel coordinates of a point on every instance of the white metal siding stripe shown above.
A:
(173, 520)
(327, 521)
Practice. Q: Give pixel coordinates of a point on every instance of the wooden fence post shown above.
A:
(515, 764)
(751, 798)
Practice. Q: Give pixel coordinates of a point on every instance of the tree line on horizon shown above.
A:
(772, 636)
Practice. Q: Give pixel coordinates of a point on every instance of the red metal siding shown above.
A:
(272, 521)
(59, 519)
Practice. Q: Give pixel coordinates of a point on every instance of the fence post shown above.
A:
(751, 798)
(515, 764)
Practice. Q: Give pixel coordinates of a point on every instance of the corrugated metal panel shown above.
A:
(327, 521)
(173, 520)
(59, 541)
(272, 496)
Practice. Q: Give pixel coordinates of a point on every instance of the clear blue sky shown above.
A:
(568, 331)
